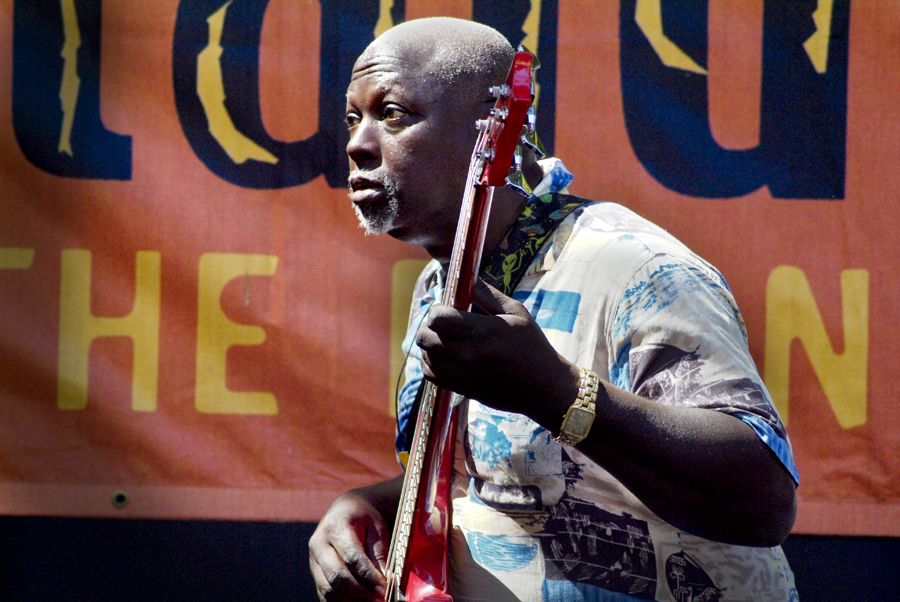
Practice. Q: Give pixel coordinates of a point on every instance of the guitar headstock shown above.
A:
(503, 128)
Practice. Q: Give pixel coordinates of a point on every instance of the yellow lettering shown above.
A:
(216, 333)
(16, 258)
(532, 29)
(385, 21)
(792, 313)
(648, 16)
(78, 327)
(211, 90)
(68, 91)
(817, 45)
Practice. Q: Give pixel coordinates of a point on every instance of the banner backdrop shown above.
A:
(192, 325)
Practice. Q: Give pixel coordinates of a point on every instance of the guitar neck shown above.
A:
(399, 549)
(417, 559)
(434, 421)
(462, 271)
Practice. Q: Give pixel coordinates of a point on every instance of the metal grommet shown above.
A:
(120, 499)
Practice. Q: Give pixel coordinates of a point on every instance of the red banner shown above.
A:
(193, 325)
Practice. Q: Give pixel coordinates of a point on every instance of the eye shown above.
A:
(393, 114)
(351, 119)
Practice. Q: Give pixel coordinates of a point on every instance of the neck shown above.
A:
(506, 208)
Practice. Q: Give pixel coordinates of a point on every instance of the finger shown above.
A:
(343, 559)
(361, 567)
(428, 368)
(427, 339)
(439, 370)
(445, 323)
(441, 354)
(492, 301)
(334, 582)
(324, 589)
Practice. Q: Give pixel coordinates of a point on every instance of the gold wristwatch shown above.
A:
(578, 420)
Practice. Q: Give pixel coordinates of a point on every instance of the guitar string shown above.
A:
(392, 575)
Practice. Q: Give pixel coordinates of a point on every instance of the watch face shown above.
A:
(578, 422)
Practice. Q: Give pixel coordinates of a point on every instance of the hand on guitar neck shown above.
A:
(502, 359)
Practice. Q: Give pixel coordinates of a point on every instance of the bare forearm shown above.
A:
(703, 471)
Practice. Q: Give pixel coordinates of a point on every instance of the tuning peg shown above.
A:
(499, 91)
(517, 162)
(500, 114)
(486, 155)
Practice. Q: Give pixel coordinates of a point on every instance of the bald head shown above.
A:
(463, 58)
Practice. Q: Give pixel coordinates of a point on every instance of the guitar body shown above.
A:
(417, 562)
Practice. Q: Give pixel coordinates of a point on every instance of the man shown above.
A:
(683, 487)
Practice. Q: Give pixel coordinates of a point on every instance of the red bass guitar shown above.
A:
(417, 560)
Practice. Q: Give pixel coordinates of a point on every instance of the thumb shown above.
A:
(493, 302)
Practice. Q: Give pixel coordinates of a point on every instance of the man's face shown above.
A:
(409, 150)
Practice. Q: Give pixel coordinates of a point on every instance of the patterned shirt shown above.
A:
(535, 520)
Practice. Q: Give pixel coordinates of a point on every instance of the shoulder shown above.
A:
(612, 222)
(614, 238)
(636, 242)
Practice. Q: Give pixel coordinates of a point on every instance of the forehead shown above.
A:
(386, 74)
(383, 70)
(383, 60)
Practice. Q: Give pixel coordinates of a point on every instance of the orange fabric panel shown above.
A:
(268, 313)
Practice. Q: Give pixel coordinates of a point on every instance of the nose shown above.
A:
(364, 149)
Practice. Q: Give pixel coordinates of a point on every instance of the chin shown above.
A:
(375, 222)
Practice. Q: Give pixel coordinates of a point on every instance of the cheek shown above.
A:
(397, 159)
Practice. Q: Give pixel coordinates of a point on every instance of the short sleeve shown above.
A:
(678, 338)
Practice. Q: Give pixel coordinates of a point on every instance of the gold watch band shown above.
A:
(580, 416)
